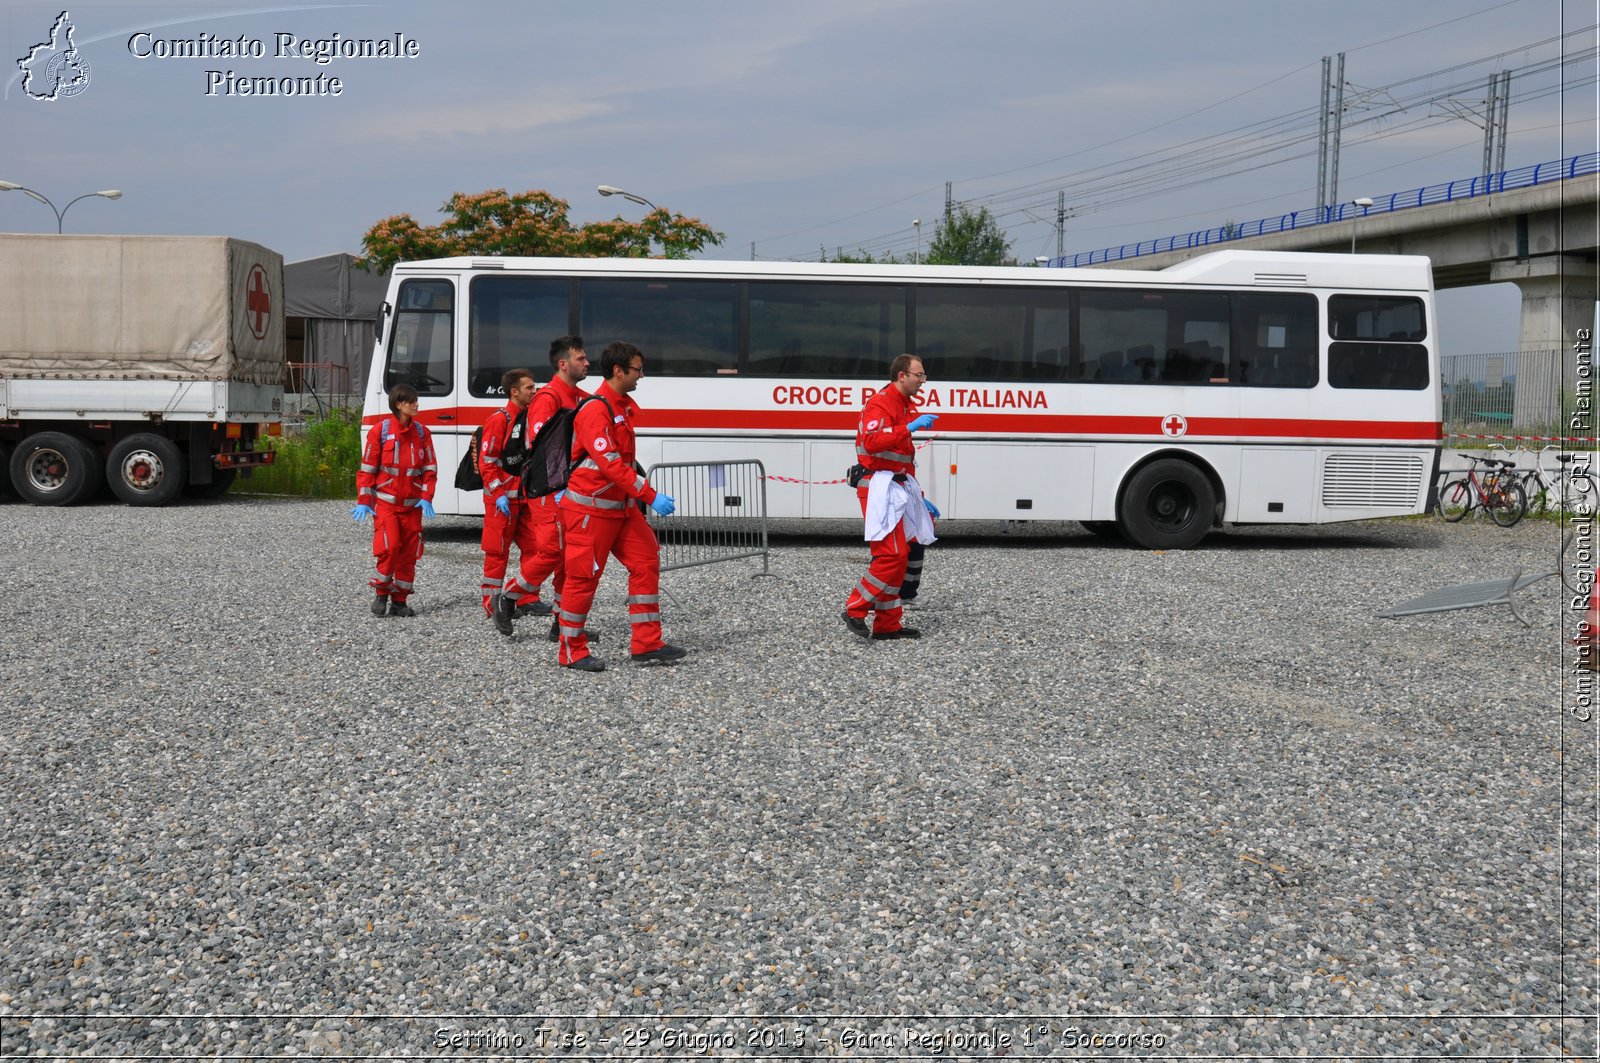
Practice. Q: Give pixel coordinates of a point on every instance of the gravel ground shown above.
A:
(1118, 802)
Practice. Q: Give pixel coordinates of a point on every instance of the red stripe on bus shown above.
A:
(469, 417)
(1057, 424)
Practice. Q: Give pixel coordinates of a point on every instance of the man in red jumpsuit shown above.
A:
(507, 518)
(891, 500)
(571, 365)
(394, 486)
(600, 515)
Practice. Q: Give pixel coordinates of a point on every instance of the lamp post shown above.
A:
(608, 190)
(1363, 202)
(12, 186)
(916, 223)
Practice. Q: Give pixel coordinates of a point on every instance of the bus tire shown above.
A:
(146, 470)
(55, 469)
(1102, 529)
(221, 480)
(1168, 505)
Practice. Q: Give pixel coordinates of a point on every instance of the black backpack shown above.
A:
(468, 476)
(548, 460)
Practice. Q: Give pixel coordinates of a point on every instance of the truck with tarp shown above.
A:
(149, 364)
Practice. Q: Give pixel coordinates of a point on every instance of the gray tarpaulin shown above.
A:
(339, 302)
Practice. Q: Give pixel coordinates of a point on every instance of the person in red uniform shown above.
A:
(507, 518)
(891, 500)
(394, 486)
(571, 365)
(600, 515)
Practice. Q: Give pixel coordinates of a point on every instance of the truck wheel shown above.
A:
(54, 469)
(1168, 505)
(146, 470)
(221, 480)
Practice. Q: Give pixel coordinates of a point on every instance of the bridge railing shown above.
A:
(1447, 192)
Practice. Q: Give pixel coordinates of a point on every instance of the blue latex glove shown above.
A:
(427, 509)
(933, 510)
(559, 496)
(925, 421)
(361, 513)
(663, 505)
(503, 504)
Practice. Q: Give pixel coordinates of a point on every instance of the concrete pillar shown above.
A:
(1558, 298)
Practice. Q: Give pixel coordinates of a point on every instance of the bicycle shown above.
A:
(1496, 491)
(1564, 490)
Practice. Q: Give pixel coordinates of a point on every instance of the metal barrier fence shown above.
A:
(721, 512)
(1445, 192)
(1528, 394)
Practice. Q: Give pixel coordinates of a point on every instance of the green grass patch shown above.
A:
(319, 461)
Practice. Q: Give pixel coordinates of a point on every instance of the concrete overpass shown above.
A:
(1544, 239)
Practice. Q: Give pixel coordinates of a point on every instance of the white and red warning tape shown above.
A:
(1529, 439)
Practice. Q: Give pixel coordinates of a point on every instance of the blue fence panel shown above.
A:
(1483, 184)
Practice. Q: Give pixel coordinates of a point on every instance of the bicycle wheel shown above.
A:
(1539, 499)
(1580, 496)
(1507, 503)
(1455, 499)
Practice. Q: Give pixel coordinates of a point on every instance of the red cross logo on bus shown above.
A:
(1174, 426)
(258, 302)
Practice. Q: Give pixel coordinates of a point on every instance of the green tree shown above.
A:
(530, 223)
(967, 239)
(860, 256)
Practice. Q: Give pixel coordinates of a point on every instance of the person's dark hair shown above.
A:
(901, 364)
(401, 393)
(512, 378)
(618, 355)
(560, 346)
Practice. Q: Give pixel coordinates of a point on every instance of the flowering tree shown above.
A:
(529, 223)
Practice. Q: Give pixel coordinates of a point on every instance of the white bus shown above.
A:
(1239, 387)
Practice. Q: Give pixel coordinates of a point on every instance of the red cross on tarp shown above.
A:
(258, 302)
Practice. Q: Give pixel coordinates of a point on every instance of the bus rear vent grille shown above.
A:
(1282, 278)
(1372, 481)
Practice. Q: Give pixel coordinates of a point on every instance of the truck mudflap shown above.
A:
(244, 459)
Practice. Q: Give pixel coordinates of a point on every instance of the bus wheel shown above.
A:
(1104, 529)
(1168, 505)
(54, 469)
(146, 470)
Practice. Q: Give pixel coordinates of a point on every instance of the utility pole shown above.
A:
(1329, 126)
(1495, 110)
(947, 201)
(1061, 221)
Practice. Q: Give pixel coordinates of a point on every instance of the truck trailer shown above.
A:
(152, 364)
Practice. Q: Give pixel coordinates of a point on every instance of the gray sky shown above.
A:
(795, 127)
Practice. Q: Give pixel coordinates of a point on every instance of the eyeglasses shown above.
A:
(917, 376)
(633, 368)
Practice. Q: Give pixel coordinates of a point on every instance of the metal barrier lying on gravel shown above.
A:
(721, 514)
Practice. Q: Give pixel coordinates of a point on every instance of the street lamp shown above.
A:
(916, 223)
(1363, 202)
(608, 190)
(12, 186)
